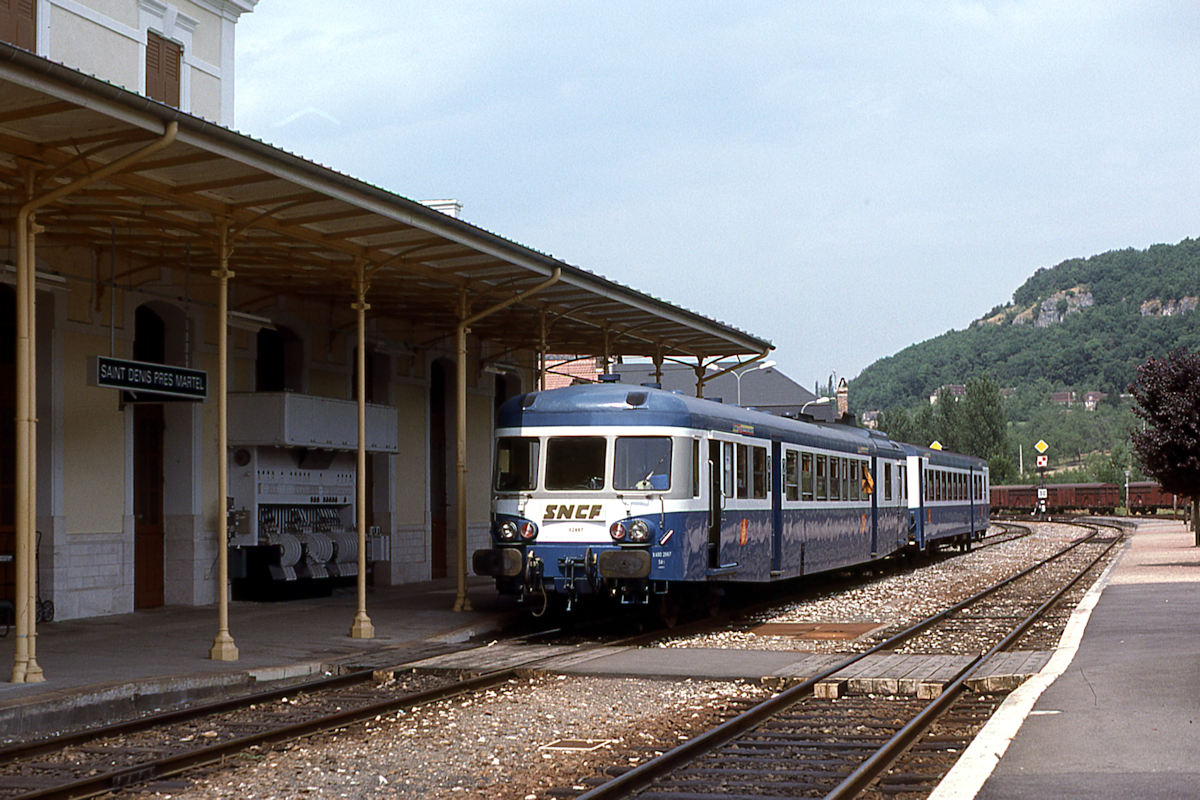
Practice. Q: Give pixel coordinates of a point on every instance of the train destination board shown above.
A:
(139, 376)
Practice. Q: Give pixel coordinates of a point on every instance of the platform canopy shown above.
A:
(301, 229)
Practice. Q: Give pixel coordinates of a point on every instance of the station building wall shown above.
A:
(86, 435)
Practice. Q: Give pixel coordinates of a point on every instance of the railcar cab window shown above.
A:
(575, 462)
(516, 464)
(642, 463)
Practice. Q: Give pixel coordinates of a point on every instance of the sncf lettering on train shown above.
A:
(572, 511)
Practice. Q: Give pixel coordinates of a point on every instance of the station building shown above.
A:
(222, 364)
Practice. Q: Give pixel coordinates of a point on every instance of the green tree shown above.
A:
(1167, 391)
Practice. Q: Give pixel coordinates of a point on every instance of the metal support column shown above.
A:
(25, 666)
(461, 601)
(542, 351)
(362, 628)
(223, 647)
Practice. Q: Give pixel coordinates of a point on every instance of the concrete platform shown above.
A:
(1116, 711)
(106, 666)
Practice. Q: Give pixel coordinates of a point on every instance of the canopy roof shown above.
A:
(301, 229)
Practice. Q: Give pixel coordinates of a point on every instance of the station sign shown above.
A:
(140, 377)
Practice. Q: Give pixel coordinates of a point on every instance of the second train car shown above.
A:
(636, 493)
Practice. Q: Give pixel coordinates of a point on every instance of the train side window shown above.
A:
(758, 474)
(822, 478)
(854, 488)
(835, 479)
(887, 482)
(695, 467)
(791, 475)
(743, 472)
(903, 483)
(806, 476)
(845, 478)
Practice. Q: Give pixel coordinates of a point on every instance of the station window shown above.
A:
(806, 476)
(791, 475)
(575, 462)
(822, 478)
(642, 463)
(163, 67)
(516, 464)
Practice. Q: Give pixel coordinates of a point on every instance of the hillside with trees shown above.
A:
(1085, 325)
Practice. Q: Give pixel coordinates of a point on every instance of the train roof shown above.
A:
(943, 458)
(623, 404)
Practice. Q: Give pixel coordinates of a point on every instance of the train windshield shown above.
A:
(516, 463)
(575, 462)
(642, 463)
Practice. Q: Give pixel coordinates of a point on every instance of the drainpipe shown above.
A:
(25, 666)
(461, 601)
(362, 628)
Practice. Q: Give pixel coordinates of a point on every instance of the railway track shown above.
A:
(793, 745)
(150, 749)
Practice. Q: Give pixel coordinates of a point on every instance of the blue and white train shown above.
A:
(638, 493)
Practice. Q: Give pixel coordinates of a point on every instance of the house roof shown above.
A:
(301, 229)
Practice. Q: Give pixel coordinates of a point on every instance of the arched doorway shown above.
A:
(149, 345)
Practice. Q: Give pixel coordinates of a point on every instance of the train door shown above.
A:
(716, 502)
(874, 508)
(776, 508)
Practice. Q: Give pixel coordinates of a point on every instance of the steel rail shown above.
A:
(885, 756)
(165, 766)
(644, 774)
(200, 756)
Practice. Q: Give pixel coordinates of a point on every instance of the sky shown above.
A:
(842, 178)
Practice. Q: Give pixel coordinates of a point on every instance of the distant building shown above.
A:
(568, 370)
(1063, 398)
(952, 391)
(766, 390)
(1091, 399)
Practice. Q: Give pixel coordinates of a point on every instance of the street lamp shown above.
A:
(820, 401)
(738, 376)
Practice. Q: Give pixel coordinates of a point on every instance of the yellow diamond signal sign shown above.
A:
(1041, 446)
(935, 445)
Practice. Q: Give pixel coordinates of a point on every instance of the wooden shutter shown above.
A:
(163, 65)
(18, 23)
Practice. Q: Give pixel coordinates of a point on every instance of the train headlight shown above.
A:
(639, 531)
(617, 531)
(507, 531)
(528, 531)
